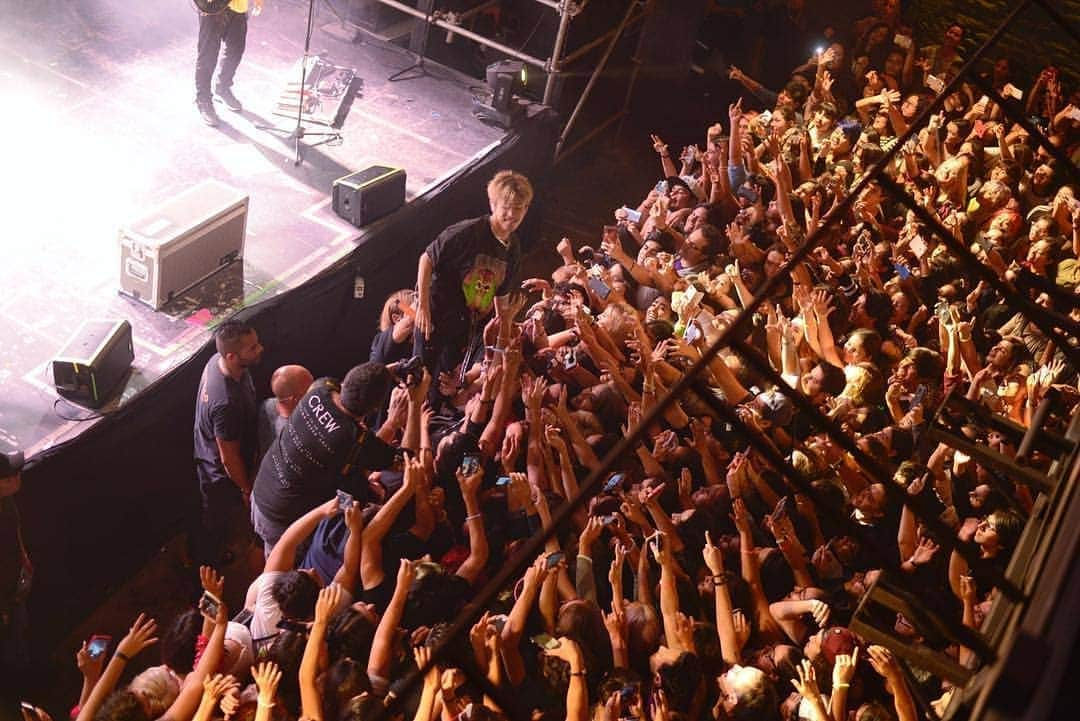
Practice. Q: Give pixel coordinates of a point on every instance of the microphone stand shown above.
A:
(417, 69)
(300, 132)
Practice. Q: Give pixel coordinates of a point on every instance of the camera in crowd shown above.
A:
(590, 256)
(409, 372)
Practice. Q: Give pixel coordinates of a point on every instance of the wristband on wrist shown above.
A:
(473, 517)
(122, 656)
(841, 685)
(577, 673)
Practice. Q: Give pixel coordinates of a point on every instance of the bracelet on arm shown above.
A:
(578, 673)
(474, 517)
(122, 656)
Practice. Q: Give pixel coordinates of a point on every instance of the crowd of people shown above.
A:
(697, 580)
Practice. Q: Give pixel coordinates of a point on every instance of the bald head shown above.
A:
(288, 384)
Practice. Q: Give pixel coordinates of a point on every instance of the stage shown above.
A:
(100, 125)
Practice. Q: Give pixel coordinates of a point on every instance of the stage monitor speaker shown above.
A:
(182, 242)
(94, 362)
(369, 194)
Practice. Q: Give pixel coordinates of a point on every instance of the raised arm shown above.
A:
(725, 626)
(515, 622)
(423, 295)
(381, 658)
(583, 569)
(371, 556)
(889, 668)
(143, 633)
(577, 695)
(283, 557)
(192, 690)
(349, 573)
(315, 653)
(767, 627)
(267, 675)
(474, 521)
(667, 165)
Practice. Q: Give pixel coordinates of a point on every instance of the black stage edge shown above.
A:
(95, 509)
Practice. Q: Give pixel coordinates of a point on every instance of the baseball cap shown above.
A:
(838, 640)
(11, 462)
(673, 180)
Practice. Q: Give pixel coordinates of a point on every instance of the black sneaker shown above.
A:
(206, 110)
(230, 100)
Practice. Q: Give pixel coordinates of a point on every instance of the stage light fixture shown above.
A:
(497, 106)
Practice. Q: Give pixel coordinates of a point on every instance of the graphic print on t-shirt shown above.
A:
(481, 281)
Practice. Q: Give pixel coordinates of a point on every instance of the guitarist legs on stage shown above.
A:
(220, 23)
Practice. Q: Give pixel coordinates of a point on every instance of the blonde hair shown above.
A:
(406, 294)
(158, 687)
(864, 384)
(510, 186)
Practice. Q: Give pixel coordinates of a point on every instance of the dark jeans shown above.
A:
(451, 339)
(222, 509)
(226, 27)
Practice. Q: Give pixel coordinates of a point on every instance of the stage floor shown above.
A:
(99, 126)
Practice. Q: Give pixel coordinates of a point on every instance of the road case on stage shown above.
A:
(182, 242)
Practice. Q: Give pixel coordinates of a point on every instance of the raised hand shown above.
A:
(89, 666)
(684, 631)
(806, 684)
(615, 623)
(406, 573)
(660, 709)
(658, 145)
(478, 639)
(631, 508)
(589, 534)
(422, 657)
(924, 552)
(735, 113)
(714, 559)
(470, 485)
(741, 517)
(212, 581)
(844, 667)
(820, 611)
(969, 593)
(216, 686)
(328, 600)
(553, 436)
(354, 518)
(742, 627)
(267, 675)
(423, 320)
(883, 661)
(616, 569)
(138, 637)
